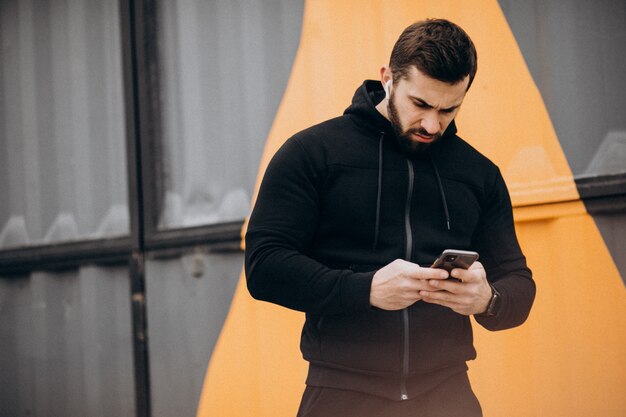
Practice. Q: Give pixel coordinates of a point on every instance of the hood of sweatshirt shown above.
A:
(363, 110)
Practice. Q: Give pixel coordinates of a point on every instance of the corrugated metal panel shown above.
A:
(188, 299)
(575, 52)
(66, 347)
(62, 120)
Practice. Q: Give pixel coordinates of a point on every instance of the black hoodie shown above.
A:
(339, 201)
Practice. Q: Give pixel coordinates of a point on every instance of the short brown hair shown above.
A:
(438, 48)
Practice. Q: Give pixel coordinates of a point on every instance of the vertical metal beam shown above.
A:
(150, 148)
(133, 122)
(140, 335)
(133, 35)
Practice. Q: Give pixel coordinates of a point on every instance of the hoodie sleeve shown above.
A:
(503, 259)
(280, 231)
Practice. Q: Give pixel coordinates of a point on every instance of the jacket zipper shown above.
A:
(405, 312)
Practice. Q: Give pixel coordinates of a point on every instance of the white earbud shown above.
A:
(387, 87)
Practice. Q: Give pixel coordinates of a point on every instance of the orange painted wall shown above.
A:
(568, 359)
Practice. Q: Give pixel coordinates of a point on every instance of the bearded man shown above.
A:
(349, 218)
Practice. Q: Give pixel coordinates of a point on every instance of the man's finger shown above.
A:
(443, 298)
(476, 265)
(474, 273)
(430, 273)
(447, 285)
(440, 296)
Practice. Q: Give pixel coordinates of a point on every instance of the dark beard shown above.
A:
(406, 143)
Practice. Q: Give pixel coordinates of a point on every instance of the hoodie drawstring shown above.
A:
(443, 195)
(379, 190)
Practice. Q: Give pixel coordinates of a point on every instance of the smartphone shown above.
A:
(455, 258)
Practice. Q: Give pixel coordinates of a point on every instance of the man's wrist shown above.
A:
(494, 303)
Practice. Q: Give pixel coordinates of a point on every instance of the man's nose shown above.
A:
(430, 123)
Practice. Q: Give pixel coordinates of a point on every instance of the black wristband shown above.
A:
(493, 305)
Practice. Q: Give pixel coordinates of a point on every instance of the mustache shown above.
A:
(421, 131)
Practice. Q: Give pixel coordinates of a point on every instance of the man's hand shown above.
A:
(399, 284)
(470, 296)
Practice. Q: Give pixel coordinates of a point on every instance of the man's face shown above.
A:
(420, 109)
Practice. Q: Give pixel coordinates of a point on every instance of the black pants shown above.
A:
(453, 398)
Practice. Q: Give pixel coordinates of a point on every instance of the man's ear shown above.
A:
(386, 80)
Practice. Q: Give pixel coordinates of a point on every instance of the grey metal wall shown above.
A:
(80, 145)
(62, 144)
(575, 50)
(576, 53)
(65, 344)
(225, 65)
(188, 300)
